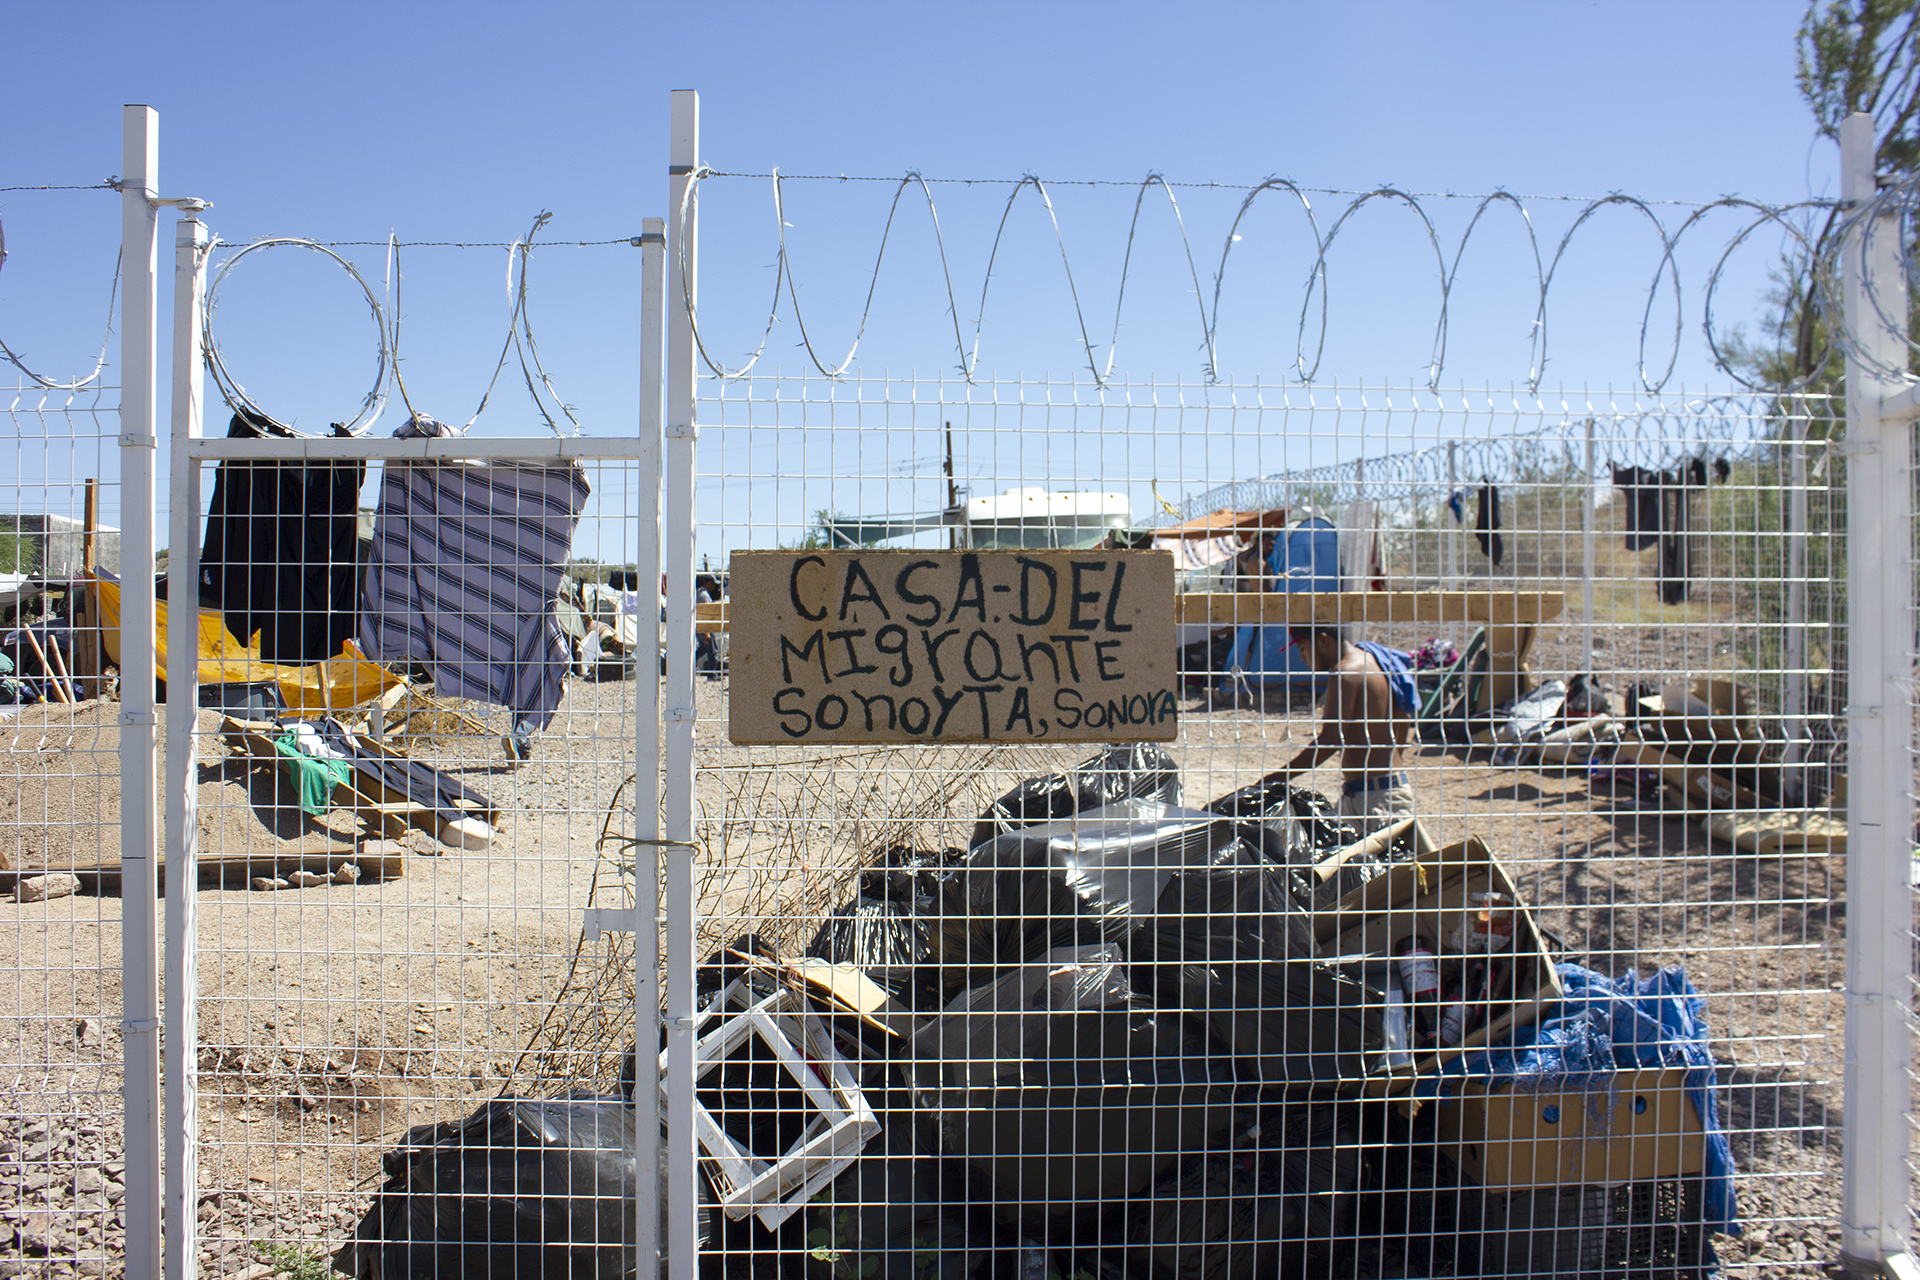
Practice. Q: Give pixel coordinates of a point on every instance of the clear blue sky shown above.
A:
(459, 122)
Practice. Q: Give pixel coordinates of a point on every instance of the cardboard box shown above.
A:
(1696, 785)
(1429, 895)
(1502, 1138)
(1710, 723)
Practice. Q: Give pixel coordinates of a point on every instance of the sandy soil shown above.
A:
(332, 1018)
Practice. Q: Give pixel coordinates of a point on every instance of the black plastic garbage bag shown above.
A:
(1307, 1177)
(1088, 879)
(886, 938)
(1273, 799)
(1064, 1090)
(1137, 772)
(898, 1212)
(522, 1187)
(1199, 1222)
(1228, 947)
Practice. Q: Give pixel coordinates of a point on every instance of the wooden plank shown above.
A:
(1331, 608)
(1325, 608)
(231, 870)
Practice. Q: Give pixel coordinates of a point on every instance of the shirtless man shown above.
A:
(1368, 711)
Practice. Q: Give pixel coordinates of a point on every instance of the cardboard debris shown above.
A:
(1502, 1137)
(1780, 831)
(1430, 896)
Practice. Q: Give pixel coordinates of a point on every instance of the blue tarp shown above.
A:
(1305, 558)
(1606, 1024)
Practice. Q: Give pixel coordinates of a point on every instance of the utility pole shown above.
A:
(953, 495)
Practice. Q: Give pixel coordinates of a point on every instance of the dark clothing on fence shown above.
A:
(280, 555)
(1485, 521)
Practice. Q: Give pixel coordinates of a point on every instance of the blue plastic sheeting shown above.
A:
(1605, 1024)
(1305, 558)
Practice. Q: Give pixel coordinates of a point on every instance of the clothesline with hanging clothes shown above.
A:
(1719, 430)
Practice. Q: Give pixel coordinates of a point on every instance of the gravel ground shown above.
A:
(332, 1018)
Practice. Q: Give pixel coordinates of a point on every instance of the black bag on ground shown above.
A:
(1065, 1090)
(522, 1187)
(898, 1212)
(1071, 883)
(1137, 772)
(886, 938)
(1229, 948)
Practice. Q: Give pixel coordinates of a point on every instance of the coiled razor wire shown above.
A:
(236, 396)
(520, 338)
(1895, 209)
(106, 338)
(1307, 357)
(1660, 438)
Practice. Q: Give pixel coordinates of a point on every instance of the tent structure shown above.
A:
(1306, 557)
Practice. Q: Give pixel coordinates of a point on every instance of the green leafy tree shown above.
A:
(1853, 55)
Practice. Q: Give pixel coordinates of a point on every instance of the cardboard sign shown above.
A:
(952, 646)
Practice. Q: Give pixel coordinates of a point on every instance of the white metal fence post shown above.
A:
(1588, 512)
(1874, 1189)
(183, 670)
(646, 761)
(1793, 701)
(683, 262)
(139, 876)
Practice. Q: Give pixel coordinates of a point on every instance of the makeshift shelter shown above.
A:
(342, 681)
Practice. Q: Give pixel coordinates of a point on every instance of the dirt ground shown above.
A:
(333, 1018)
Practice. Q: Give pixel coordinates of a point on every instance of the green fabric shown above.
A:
(313, 780)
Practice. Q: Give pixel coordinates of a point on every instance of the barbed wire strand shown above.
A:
(111, 184)
(519, 321)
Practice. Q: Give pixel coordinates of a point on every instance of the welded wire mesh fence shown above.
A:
(1660, 813)
(60, 1190)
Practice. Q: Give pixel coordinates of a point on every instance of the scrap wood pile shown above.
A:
(1696, 747)
(1119, 1036)
(330, 766)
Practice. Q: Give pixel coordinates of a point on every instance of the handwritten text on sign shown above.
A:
(951, 646)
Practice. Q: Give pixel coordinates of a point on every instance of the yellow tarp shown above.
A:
(344, 681)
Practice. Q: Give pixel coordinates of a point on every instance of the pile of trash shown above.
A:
(1117, 1036)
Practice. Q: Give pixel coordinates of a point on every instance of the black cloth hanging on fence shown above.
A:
(1676, 530)
(281, 551)
(1486, 520)
(1642, 489)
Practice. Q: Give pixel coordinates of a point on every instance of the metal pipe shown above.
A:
(540, 449)
(1875, 1187)
(139, 874)
(683, 266)
(646, 761)
(1587, 513)
(182, 810)
(1793, 700)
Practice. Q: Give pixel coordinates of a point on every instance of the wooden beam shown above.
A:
(1330, 608)
(1323, 608)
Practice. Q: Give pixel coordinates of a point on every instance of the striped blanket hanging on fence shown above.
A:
(463, 575)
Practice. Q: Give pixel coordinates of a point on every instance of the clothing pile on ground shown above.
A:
(1122, 1036)
(330, 766)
